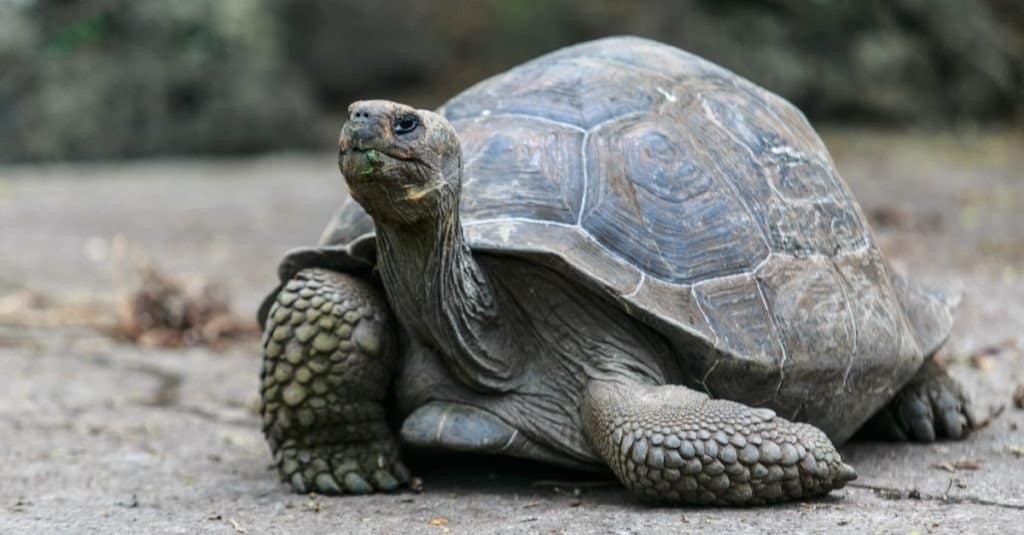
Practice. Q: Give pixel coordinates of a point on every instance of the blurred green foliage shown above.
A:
(125, 78)
(116, 78)
(80, 33)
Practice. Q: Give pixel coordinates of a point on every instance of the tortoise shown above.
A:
(616, 256)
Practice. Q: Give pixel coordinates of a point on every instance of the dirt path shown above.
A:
(107, 438)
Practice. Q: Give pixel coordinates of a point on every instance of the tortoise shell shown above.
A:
(704, 205)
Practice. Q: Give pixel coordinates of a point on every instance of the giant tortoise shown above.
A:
(616, 256)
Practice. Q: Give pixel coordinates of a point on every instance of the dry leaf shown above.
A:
(165, 311)
(982, 358)
(944, 466)
(962, 464)
(160, 311)
(26, 308)
(993, 413)
(967, 464)
(983, 362)
(236, 526)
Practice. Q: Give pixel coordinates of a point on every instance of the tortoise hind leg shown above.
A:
(671, 443)
(327, 366)
(931, 406)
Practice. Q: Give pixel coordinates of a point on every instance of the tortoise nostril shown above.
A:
(360, 116)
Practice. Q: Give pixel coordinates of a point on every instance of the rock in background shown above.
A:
(113, 78)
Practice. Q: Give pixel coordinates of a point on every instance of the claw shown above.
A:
(384, 481)
(950, 418)
(356, 484)
(918, 413)
(845, 474)
(325, 484)
(401, 472)
(298, 483)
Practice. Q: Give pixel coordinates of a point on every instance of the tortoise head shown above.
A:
(401, 164)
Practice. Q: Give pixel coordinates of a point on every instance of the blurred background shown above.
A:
(128, 78)
(157, 157)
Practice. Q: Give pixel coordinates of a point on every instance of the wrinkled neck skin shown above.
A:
(441, 294)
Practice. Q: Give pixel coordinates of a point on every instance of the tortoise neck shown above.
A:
(429, 269)
(443, 296)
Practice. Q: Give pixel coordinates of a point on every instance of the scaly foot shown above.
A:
(673, 444)
(326, 369)
(932, 406)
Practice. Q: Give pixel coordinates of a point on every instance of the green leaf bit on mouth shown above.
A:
(374, 161)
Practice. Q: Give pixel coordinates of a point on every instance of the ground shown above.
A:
(102, 436)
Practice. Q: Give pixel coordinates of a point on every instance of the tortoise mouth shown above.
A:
(374, 154)
(375, 172)
(364, 165)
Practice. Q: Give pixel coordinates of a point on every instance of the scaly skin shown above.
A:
(326, 369)
(931, 406)
(674, 444)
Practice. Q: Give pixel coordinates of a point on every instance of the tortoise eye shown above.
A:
(406, 124)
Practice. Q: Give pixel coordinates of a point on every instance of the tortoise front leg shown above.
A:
(328, 363)
(671, 443)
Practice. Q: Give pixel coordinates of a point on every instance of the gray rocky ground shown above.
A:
(106, 437)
